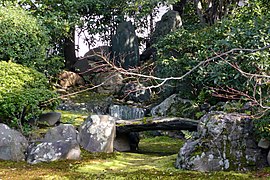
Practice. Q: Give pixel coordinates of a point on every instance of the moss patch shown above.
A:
(74, 118)
(87, 96)
(119, 166)
(160, 145)
(155, 160)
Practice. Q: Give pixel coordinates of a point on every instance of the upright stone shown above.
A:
(169, 22)
(97, 133)
(125, 46)
(13, 144)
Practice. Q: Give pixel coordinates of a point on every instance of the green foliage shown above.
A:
(54, 65)
(22, 39)
(248, 27)
(262, 126)
(22, 92)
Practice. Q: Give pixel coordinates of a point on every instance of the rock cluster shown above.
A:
(96, 134)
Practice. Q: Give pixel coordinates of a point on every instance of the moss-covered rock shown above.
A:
(225, 141)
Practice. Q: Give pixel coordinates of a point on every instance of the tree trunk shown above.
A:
(179, 6)
(69, 50)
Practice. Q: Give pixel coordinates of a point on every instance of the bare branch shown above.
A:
(136, 73)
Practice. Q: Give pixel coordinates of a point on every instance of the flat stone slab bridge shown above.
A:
(159, 123)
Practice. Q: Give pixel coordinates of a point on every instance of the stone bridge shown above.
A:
(160, 123)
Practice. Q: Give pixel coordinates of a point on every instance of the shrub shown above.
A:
(22, 92)
(246, 28)
(262, 126)
(22, 38)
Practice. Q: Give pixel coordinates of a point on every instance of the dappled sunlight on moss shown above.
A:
(157, 165)
(161, 145)
(73, 118)
(87, 96)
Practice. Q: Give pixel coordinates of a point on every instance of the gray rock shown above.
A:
(126, 112)
(97, 133)
(134, 139)
(135, 92)
(121, 143)
(59, 143)
(91, 58)
(125, 46)
(101, 51)
(111, 82)
(176, 106)
(268, 158)
(225, 141)
(264, 143)
(13, 144)
(61, 132)
(169, 22)
(52, 151)
(51, 118)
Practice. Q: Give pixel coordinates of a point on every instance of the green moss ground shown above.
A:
(74, 118)
(155, 160)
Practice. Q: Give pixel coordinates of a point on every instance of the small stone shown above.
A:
(264, 143)
(51, 118)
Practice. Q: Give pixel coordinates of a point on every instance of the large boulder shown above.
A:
(125, 46)
(169, 22)
(62, 132)
(174, 105)
(53, 150)
(13, 144)
(225, 141)
(108, 82)
(99, 51)
(127, 142)
(59, 143)
(97, 133)
(69, 79)
(91, 59)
